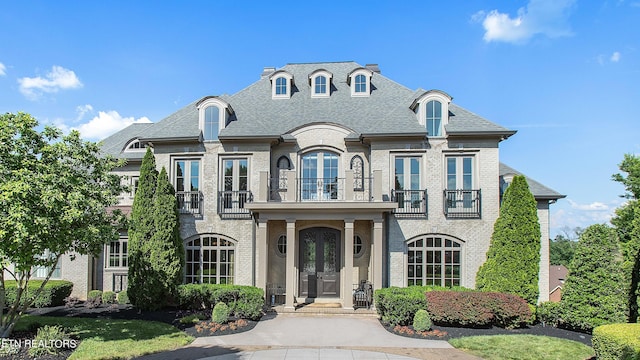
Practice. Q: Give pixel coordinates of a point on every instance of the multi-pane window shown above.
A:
(134, 185)
(321, 85)
(281, 86)
(319, 176)
(43, 271)
(434, 118)
(210, 260)
(407, 182)
(434, 260)
(211, 123)
(358, 246)
(460, 173)
(360, 84)
(116, 254)
(235, 182)
(281, 245)
(187, 182)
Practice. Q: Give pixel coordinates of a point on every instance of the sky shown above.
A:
(564, 73)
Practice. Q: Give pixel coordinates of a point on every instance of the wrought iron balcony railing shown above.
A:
(410, 202)
(321, 189)
(462, 204)
(190, 202)
(231, 203)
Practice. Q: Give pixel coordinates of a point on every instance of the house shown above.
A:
(321, 176)
(557, 276)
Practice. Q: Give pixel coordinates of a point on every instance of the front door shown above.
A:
(319, 262)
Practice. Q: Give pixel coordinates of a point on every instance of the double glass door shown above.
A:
(319, 262)
(319, 175)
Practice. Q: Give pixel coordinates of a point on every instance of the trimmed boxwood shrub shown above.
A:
(421, 321)
(123, 298)
(220, 314)
(477, 309)
(243, 301)
(617, 342)
(53, 293)
(108, 297)
(548, 313)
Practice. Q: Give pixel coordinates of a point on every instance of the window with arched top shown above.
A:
(357, 166)
(134, 145)
(321, 85)
(283, 164)
(211, 123)
(281, 86)
(434, 118)
(210, 259)
(361, 84)
(434, 260)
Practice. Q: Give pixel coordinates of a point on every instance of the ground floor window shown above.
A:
(210, 260)
(434, 260)
(117, 253)
(41, 272)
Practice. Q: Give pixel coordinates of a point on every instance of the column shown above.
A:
(261, 258)
(347, 286)
(377, 253)
(290, 264)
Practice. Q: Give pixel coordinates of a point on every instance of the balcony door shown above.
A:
(460, 182)
(319, 176)
(319, 262)
(407, 182)
(235, 183)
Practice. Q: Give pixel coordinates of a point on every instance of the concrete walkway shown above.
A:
(291, 336)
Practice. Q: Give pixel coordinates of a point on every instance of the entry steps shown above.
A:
(324, 309)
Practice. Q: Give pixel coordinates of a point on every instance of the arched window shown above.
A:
(210, 259)
(281, 86)
(434, 260)
(283, 164)
(211, 123)
(361, 84)
(357, 166)
(434, 118)
(319, 176)
(321, 85)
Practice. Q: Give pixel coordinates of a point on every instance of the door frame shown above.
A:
(313, 280)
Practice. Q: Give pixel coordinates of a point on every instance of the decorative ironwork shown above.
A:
(412, 202)
(462, 204)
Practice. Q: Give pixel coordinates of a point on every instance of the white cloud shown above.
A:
(544, 17)
(594, 206)
(3, 70)
(570, 214)
(58, 78)
(82, 110)
(615, 57)
(107, 123)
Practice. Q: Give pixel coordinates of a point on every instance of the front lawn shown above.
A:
(524, 347)
(114, 339)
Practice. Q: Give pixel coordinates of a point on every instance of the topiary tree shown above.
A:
(513, 259)
(167, 251)
(143, 287)
(594, 292)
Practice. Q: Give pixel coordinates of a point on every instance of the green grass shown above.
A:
(114, 339)
(522, 347)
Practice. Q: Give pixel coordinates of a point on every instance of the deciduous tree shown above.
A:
(54, 194)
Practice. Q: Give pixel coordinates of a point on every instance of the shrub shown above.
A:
(477, 309)
(243, 301)
(617, 342)
(595, 292)
(53, 293)
(108, 297)
(421, 321)
(46, 340)
(123, 298)
(398, 306)
(94, 299)
(548, 313)
(220, 314)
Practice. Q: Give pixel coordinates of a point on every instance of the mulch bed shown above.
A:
(446, 333)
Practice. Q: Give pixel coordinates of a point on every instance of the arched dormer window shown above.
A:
(360, 82)
(432, 110)
(281, 83)
(213, 114)
(134, 145)
(320, 81)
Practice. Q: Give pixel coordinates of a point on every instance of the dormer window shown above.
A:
(432, 110)
(320, 81)
(134, 145)
(213, 115)
(360, 82)
(281, 83)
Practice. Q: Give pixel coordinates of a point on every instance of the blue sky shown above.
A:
(564, 73)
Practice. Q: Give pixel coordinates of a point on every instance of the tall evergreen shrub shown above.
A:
(513, 259)
(595, 292)
(142, 285)
(167, 251)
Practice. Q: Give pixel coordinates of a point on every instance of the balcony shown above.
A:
(190, 202)
(462, 204)
(410, 202)
(320, 189)
(231, 204)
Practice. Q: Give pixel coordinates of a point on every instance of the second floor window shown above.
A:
(319, 174)
(434, 118)
(211, 123)
(187, 175)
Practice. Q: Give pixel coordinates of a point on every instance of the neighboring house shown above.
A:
(320, 176)
(557, 276)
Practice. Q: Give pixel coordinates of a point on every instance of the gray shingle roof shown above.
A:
(539, 191)
(114, 144)
(256, 114)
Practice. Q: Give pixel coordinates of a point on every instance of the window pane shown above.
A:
(399, 173)
(211, 123)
